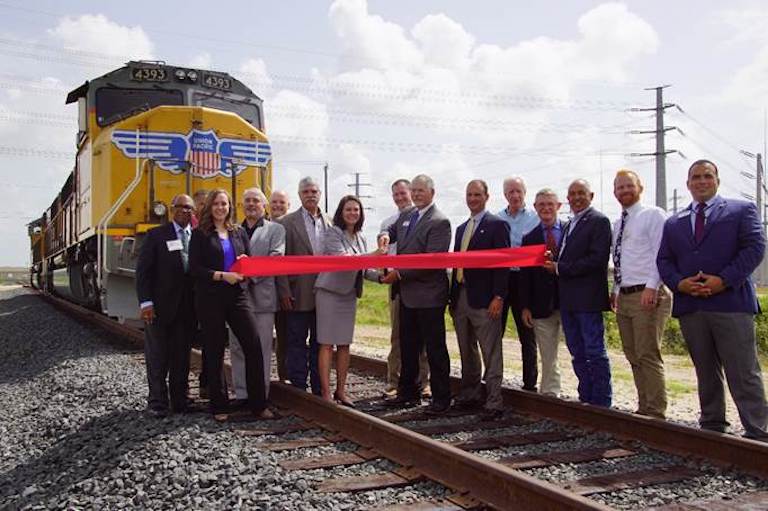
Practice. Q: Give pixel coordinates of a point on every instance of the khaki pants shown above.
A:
(393, 359)
(473, 328)
(641, 333)
(548, 332)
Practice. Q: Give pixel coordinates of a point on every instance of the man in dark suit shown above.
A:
(423, 297)
(582, 270)
(164, 290)
(476, 303)
(304, 230)
(708, 252)
(539, 297)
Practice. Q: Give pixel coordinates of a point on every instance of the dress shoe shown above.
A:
(426, 392)
(529, 388)
(221, 417)
(467, 405)
(157, 412)
(343, 402)
(491, 414)
(390, 392)
(238, 404)
(265, 414)
(438, 408)
(403, 401)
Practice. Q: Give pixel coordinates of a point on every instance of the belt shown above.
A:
(631, 289)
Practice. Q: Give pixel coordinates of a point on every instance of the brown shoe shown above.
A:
(221, 417)
(426, 392)
(266, 413)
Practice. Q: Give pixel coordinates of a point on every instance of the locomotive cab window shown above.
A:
(113, 104)
(248, 111)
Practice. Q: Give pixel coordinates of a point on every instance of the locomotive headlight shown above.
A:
(180, 74)
(159, 209)
(192, 75)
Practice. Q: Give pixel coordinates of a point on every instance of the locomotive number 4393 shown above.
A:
(149, 74)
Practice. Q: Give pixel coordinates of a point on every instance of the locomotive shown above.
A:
(146, 132)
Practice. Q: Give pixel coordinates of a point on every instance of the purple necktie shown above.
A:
(698, 230)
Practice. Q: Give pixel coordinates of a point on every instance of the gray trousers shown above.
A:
(725, 342)
(473, 327)
(264, 323)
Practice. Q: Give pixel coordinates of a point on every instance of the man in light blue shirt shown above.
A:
(521, 221)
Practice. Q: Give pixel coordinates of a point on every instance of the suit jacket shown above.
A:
(582, 265)
(206, 257)
(299, 287)
(267, 240)
(732, 248)
(335, 242)
(421, 289)
(538, 288)
(160, 276)
(483, 284)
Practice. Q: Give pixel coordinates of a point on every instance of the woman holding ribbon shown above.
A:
(221, 297)
(336, 295)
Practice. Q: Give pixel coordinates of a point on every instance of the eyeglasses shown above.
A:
(185, 207)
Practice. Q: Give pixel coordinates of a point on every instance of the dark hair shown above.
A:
(206, 217)
(482, 184)
(338, 217)
(400, 181)
(703, 162)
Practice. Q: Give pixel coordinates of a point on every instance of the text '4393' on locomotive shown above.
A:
(146, 132)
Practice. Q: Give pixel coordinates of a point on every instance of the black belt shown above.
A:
(631, 289)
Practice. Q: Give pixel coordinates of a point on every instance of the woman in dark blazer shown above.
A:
(221, 297)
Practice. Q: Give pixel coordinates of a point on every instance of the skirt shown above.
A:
(335, 317)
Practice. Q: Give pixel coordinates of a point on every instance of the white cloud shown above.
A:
(96, 33)
(253, 72)
(201, 61)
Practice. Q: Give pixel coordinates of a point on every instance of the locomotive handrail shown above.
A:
(101, 226)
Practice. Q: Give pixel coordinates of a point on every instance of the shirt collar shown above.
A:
(709, 203)
(478, 217)
(177, 228)
(520, 212)
(556, 226)
(307, 214)
(580, 214)
(634, 208)
(425, 209)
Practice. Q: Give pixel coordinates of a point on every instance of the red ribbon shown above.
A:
(531, 255)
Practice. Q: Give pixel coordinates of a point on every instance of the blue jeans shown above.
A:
(301, 359)
(584, 336)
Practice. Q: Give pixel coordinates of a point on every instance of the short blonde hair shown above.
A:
(629, 173)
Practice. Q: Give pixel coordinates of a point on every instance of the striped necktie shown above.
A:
(465, 239)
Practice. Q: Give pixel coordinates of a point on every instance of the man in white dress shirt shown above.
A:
(641, 301)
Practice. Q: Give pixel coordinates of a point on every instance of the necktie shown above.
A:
(698, 231)
(617, 250)
(185, 249)
(465, 239)
(551, 241)
(412, 222)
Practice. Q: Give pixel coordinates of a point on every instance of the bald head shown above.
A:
(580, 195)
(279, 204)
(182, 209)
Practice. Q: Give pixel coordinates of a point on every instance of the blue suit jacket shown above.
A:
(732, 247)
(483, 285)
(583, 265)
(537, 291)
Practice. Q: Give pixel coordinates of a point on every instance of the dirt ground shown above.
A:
(683, 405)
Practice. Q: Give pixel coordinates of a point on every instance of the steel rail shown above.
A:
(721, 449)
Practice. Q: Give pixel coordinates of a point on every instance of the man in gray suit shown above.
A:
(304, 230)
(267, 239)
(423, 297)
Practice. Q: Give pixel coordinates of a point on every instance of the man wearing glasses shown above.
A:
(164, 290)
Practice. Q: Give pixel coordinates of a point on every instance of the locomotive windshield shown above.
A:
(113, 103)
(243, 108)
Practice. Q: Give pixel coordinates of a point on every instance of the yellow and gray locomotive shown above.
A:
(146, 132)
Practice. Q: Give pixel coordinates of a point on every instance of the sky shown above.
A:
(458, 90)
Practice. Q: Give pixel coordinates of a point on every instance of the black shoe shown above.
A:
(403, 401)
(438, 408)
(238, 404)
(157, 412)
(490, 414)
(468, 405)
(529, 388)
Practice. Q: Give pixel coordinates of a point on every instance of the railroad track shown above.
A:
(454, 450)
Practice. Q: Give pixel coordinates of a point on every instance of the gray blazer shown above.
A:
(421, 289)
(336, 242)
(299, 287)
(267, 240)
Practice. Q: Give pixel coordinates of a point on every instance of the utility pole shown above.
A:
(357, 185)
(325, 186)
(759, 190)
(674, 201)
(661, 152)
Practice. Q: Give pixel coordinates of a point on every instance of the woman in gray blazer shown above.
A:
(336, 295)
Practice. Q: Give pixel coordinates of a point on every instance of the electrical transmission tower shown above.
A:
(661, 152)
(358, 185)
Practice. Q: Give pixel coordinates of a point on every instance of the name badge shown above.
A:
(173, 245)
(406, 223)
